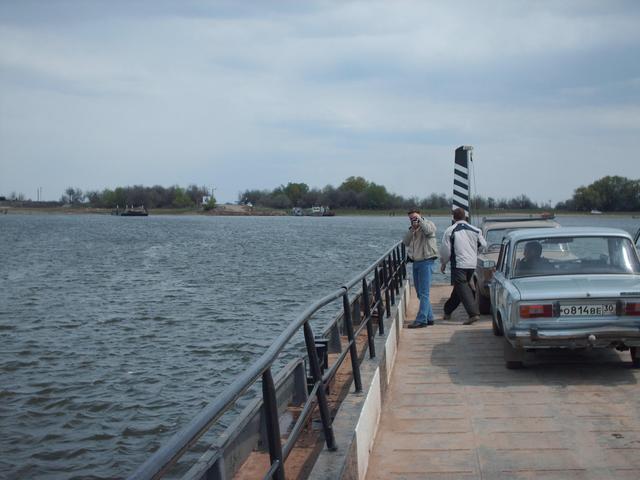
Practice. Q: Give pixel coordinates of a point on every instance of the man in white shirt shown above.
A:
(460, 244)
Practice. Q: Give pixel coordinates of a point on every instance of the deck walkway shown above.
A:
(453, 411)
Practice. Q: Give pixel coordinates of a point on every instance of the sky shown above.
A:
(255, 94)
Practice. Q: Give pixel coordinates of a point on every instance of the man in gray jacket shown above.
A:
(422, 249)
(460, 244)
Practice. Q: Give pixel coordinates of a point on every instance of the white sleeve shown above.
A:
(445, 247)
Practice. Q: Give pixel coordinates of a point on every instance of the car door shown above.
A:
(497, 286)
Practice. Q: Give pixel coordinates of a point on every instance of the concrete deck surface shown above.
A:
(453, 411)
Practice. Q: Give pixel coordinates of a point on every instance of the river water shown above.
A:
(116, 331)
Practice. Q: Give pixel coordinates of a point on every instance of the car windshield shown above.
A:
(574, 255)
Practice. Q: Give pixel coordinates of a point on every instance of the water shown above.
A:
(116, 331)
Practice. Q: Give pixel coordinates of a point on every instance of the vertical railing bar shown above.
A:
(353, 349)
(273, 427)
(387, 282)
(316, 374)
(378, 294)
(391, 277)
(367, 316)
(396, 259)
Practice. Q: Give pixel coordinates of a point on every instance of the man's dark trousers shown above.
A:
(460, 278)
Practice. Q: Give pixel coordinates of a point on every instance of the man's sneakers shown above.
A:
(471, 320)
(417, 325)
(429, 322)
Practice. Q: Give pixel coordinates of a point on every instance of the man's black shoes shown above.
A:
(417, 325)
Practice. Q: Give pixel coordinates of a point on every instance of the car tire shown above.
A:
(635, 357)
(496, 325)
(484, 304)
(513, 356)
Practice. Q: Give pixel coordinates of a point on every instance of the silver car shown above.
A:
(567, 288)
(493, 230)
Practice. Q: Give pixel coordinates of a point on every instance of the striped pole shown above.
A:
(461, 180)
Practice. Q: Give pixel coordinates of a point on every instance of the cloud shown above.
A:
(247, 94)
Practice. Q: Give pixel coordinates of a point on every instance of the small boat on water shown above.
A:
(131, 211)
(596, 212)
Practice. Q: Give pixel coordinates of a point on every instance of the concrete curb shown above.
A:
(356, 423)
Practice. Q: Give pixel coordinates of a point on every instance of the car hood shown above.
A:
(577, 286)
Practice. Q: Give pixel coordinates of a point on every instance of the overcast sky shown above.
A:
(244, 95)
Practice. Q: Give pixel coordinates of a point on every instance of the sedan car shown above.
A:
(567, 288)
(494, 229)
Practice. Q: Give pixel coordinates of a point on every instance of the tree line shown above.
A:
(151, 197)
(608, 194)
(359, 193)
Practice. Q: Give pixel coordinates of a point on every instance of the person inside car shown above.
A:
(533, 261)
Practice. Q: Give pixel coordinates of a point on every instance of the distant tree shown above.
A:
(180, 198)
(295, 192)
(278, 200)
(255, 197)
(211, 204)
(610, 193)
(73, 196)
(376, 196)
(354, 184)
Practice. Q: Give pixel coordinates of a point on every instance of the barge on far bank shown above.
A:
(131, 211)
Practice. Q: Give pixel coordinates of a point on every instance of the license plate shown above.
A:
(588, 310)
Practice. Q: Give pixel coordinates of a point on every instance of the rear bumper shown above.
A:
(596, 336)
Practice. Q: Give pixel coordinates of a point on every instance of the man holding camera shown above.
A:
(423, 251)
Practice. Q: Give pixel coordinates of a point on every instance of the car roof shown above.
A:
(530, 233)
(491, 225)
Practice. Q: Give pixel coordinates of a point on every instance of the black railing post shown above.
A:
(273, 427)
(353, 349)
(378, 297)
(389, 286)
(367, 317)
(403, 256)
(323, 405)
(396, 268)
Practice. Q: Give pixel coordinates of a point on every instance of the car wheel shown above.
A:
(635, 357)
(513, 356)
(484, 304)
(496, 324)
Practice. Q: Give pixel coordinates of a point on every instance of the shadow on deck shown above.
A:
(453, 411)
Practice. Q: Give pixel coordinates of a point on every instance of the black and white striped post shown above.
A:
(461, 180)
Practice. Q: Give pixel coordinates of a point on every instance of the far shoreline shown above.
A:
(244, 211)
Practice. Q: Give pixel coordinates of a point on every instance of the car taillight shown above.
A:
(632, 308)
(536, 311)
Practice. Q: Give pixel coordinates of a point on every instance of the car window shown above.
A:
(638, 240)
(494, 236)
(574, 255)
(504, 250)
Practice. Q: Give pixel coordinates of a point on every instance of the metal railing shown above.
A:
(378, 286)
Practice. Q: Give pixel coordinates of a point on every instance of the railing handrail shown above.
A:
(182, 440)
